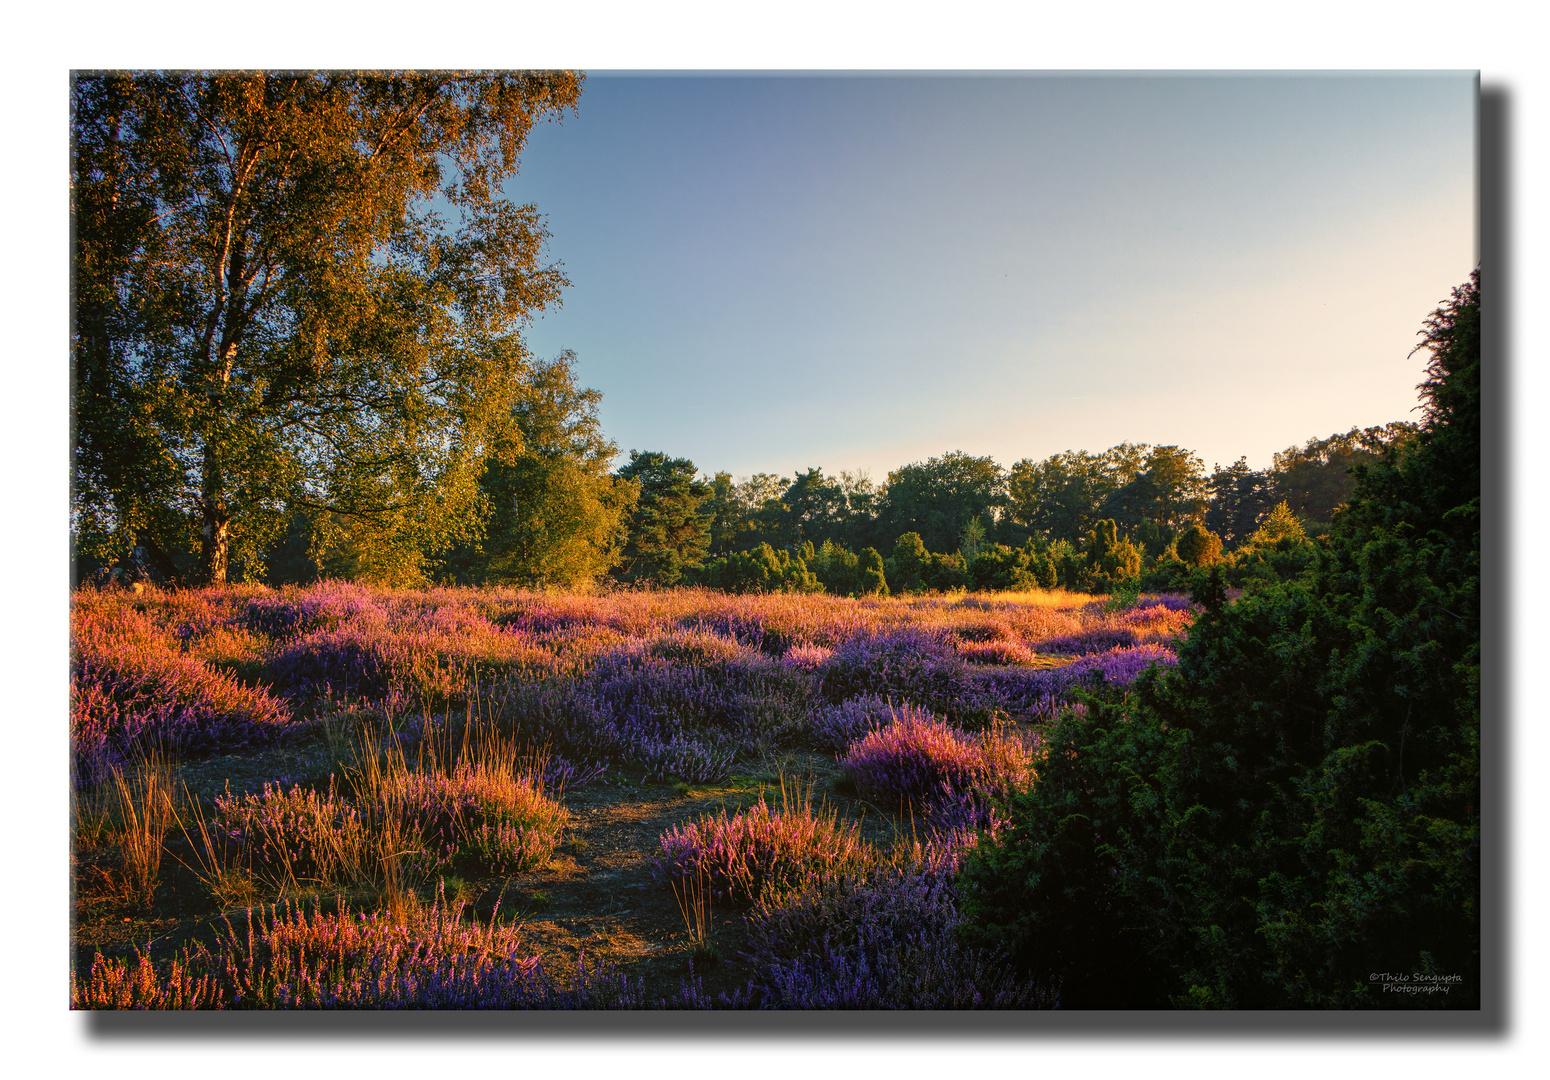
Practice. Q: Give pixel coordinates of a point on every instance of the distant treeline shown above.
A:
(1140, 516)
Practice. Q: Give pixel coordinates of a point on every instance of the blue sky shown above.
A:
(774, 272)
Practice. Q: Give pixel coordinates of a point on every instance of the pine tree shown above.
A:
(669, 534)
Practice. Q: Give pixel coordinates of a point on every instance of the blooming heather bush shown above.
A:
(562, 714)
(920, 762)
(1168, 601)
(806, 657)
(1043, 690)
(885, 938)
(476, 814)
(350, 661)
(691, 721)
(996, 652)
(289, 958)
(1097, 640)
(288, 836)
(756, 849)
(1156, 619)
(1022, 690)
(701, 647)
(917, 665)
(326, 605)
(838, 726)
(125, 697)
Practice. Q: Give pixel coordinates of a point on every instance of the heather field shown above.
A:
(351, 797)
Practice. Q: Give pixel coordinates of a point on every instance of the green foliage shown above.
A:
(1281, 524)
(1239, 498)
(745, 514)
(945, 573)
(1064, 496)
(837, 569)
(938, 498)
(873, 582)
(1000, 567)
(816, 508)
(1295, 806)
(762, 570)
(556, 516)
(271, 318)
(1167, 491)
(910, 559)
(1315, 478)
(1198, 546)
(668, 532)
(1060, 495)
(845, 573)
(1111, 559)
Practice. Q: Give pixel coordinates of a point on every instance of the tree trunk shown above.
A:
(212, 551)
(217, 522)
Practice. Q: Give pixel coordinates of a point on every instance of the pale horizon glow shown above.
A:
(771, 273)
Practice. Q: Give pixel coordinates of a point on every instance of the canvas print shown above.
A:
(748, 541)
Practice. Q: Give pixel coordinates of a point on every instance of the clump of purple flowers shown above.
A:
(910, 664)
(836, 727)
(920, 762)
(475, 814)
(996, 652)
(806, 657)
(882, 938)
(128, 698)
(287, 836)
(1043, 690)
(1097, 640)
(744, 854)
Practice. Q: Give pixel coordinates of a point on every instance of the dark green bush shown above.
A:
(1199, 546)
(1294, 808)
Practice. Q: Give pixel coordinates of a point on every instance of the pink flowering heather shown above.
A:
(1155, 620)
(996, 652)
(884, 938)
(920, 762)
(917, 665)
(294, 836)
(806, 657)
(759, 849)
(477, 815)
(472, 816)
(1099, 639)
(128, 693)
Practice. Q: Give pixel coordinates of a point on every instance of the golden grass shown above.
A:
(142, 806)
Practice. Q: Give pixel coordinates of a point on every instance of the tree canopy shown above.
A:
(939, 497)
(556, 515)
(297, 291)
(668, 533)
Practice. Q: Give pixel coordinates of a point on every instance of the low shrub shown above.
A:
(743, 854)
(1098, 640)
(476, 814)
(126, 699)
(290, 837)
(1042, 691)
(996, 652)
(911, 664)
(885, 937)
(919, 762)
(836, 727)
